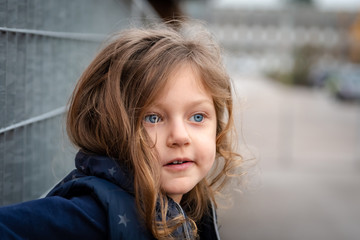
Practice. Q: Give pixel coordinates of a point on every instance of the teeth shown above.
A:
(177, 162)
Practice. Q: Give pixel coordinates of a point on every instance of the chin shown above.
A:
(180, 191)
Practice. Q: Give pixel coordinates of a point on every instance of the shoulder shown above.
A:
(123, 221)
(55, 218)
(104, 192)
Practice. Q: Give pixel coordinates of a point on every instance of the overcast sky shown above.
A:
(352, 5)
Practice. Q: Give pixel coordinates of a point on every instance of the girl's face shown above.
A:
(182, 124)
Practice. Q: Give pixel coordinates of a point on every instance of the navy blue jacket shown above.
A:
(95, 201)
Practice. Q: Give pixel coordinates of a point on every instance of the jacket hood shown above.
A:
(105, 168)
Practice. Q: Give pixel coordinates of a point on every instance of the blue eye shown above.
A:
(197, 117)
(152, 118)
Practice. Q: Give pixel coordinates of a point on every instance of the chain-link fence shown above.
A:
(44, 47)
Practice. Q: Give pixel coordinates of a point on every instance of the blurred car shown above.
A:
(345, 84)
(319, 75)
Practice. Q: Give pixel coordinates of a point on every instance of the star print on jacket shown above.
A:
(112, 171)
(123, 219)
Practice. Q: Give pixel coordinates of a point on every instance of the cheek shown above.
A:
(209, 140)
(207, 148)
(153, 134)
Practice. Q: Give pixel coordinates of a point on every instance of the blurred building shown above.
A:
(261, 39)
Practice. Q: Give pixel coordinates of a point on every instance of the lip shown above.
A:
(178, 167)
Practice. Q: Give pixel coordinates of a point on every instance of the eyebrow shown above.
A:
(197, 102)
(202, 101)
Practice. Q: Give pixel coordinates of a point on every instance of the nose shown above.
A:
(178, 134)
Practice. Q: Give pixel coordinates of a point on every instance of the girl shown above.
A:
(152, 117)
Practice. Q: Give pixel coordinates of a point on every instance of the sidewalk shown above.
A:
(307, 146)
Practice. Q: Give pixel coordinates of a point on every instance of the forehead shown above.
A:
(184, 81)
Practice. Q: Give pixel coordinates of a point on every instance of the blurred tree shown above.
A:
(354, 40)
(304, 59)
(167, 9)
(300, 2)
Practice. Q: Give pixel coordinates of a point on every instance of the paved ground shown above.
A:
(306, 184)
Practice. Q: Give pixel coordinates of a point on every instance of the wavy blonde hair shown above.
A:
(106, 112)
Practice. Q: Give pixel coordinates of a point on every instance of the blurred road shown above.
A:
(306, 184)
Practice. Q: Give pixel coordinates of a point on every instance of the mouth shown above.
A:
(178, 162)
